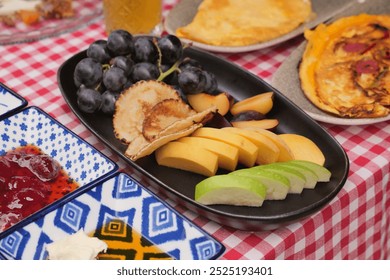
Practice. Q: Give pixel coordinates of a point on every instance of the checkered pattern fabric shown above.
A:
(354, 225)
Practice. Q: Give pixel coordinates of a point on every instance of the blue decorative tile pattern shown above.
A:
(72, 216)
(80, 160)
(110, 206)
(9, 101)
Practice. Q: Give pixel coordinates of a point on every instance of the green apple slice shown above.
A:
(277, 185)
(297, 179)
(322, 172)
(230, 189)
(310, 177)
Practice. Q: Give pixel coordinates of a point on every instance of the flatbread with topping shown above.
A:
(245, 22)
(345, 66)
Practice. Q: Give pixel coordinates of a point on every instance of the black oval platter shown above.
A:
(179, 185)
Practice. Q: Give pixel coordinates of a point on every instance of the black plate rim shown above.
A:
(256, 221)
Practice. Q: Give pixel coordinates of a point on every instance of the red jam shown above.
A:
(29, 180)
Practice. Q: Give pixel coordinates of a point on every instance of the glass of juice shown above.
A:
(135, 16)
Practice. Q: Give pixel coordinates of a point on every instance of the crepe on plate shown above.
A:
(244, 22)
(345, 66)
(150, 114)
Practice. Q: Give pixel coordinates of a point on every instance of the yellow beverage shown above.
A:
(135, 16)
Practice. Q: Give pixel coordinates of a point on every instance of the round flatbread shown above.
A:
(135, 104)
(345, 66)
(245, 22)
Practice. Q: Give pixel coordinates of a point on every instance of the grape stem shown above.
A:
(174, 67)
(159, 55)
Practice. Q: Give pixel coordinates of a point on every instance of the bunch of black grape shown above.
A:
(113, 65)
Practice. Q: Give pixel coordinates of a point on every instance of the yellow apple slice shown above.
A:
(286, 153)
(268, 151)
(187, 157)
(261, 103)
(303, 148)
(247, 154)
(263, 124)
(202, 101)
(227, 154)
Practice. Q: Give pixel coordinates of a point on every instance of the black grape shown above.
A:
(120, 42)
(98, 50)
(144, 71)
(89, 100)
(192, 80)
(171, 49)
(188, 63)
(211, 82)
(108, 102)
(88, 72)
(123, 62)
(145, 50)
(114, 79)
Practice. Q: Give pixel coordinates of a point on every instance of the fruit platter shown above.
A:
(129, 90)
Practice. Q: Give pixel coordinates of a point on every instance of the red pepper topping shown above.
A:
(366, 66)
(355, 47)
(385, 53)
(386, 34)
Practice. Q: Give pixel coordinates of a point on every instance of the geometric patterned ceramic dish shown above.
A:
(9, 101)
(129, 218)
(81, 161)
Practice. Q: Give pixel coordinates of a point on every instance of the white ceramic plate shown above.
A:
(286, 78)
(183, 13)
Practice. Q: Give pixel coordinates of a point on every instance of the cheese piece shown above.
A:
(78, 246)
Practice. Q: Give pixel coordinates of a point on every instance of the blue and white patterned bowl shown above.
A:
(80, 160)
(9, 101)
(115, 210)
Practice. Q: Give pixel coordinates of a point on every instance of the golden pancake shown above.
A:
(182, 126)
(163, 115)
(345, 66)
(135, 103)
(244, 22)
(150, 114)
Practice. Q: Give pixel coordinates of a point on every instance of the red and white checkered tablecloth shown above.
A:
(354, 225)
